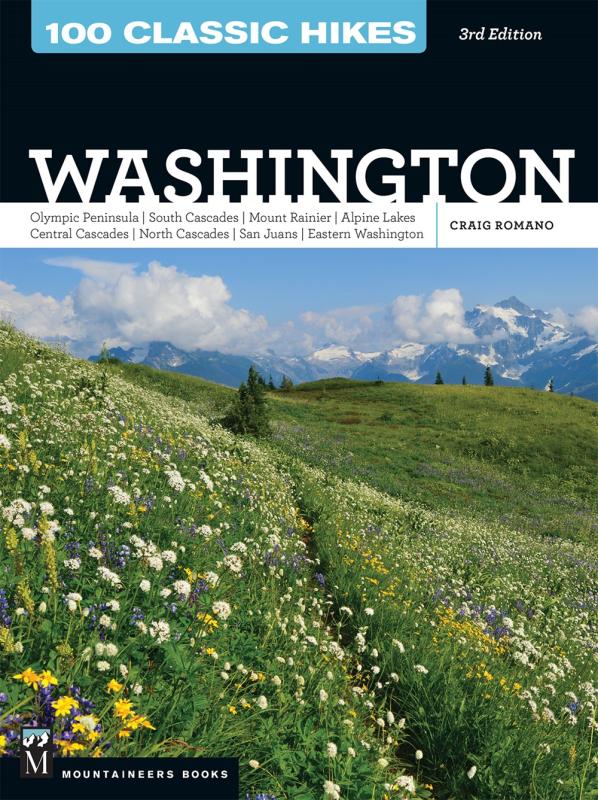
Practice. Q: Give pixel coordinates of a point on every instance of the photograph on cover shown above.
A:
(332, 513)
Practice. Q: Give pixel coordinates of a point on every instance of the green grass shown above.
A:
(393, 616)
(523, 457)
(209, 399)
(155, 579)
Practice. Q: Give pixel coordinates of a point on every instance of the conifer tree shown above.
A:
(271, 385)
(248, 413)
(551, 385)
(286, 384)
(464, 381)
(488, 377)
(438, 380)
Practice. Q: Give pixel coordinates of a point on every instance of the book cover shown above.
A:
(298, 384)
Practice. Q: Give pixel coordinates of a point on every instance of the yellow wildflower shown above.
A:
(114, 686)
(29, 677)
(67, 747)
(123, 709)
(139, 722)
(232, 709)
(63, 705)
(46, 679)
(209, 620)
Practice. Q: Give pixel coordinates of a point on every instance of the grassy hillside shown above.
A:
(207, 398)
(157, 596)
(523, 457)
(486, 635)
(168, 588)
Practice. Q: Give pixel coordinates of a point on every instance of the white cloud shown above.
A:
(587, 320)
(560, 317)
(126, 306)
(405, 312)
(116, 305)
(438, 318)
(167, 305)
(38, 314)
(104, 271)
(341, 325)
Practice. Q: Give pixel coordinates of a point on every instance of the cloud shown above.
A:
(560, 317)
(115, 304)
(40, 315)
(587, 320)
(167, 305)
(127, 306)
(105, 271)
(438, 318)
(341, 325)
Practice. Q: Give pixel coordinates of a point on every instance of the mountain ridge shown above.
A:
(524, 347)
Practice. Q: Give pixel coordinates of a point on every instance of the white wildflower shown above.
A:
(175, 480)
(233, 563)
(119, 495)
(182, 587)
(221, 609)
(332, 791)
(160, 631)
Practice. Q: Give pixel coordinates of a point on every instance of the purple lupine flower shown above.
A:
(5, 619)
(45, 698)
(137, 616)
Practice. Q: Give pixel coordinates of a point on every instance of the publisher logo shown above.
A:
(36, 753)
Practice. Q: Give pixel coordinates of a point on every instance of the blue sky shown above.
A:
(291, 301)
(284, 283)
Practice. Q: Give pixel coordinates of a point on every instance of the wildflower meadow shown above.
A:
(168, 588)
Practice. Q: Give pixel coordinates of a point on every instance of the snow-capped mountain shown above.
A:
(522, 346)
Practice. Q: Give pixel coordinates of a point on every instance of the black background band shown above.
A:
(465, 95)
(190, 779)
